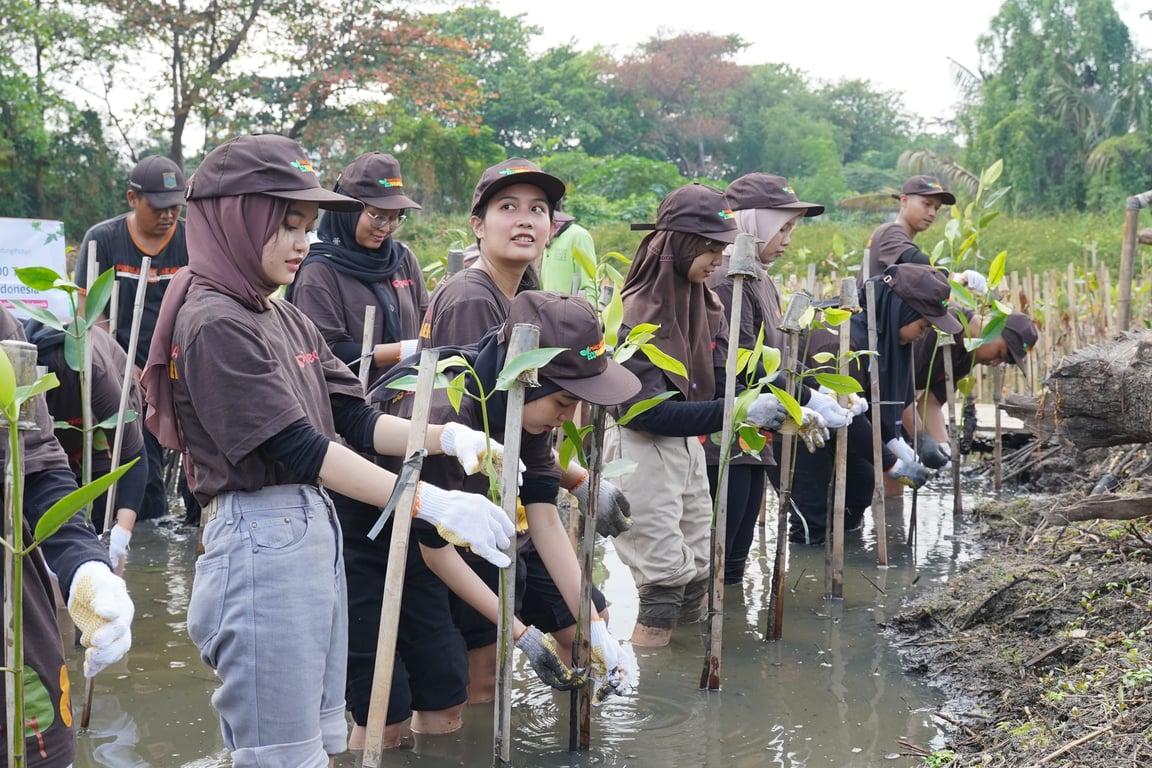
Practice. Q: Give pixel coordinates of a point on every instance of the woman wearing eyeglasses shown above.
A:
(358, 262)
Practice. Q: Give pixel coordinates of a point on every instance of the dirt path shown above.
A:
(1045, 645)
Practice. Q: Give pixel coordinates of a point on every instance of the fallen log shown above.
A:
(1100, 396)
(1107, 506)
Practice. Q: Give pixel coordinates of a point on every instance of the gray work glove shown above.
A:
(766, 412)
(541, 652)
(934, 455)
(912, 474)
(613, 512)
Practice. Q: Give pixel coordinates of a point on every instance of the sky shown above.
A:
(898, 45)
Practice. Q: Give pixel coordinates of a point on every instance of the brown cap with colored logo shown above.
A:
(927, 186)
(926, 290)
(374, 179)
(695, 209)
(584, 368)
(264, 165)
(765, 190)
(160, 180)
(1021, 335)
(515, 170)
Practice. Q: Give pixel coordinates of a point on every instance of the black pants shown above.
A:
(813, 482)
(155, 502)
(745, 499)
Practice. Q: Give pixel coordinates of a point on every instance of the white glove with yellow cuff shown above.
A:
(101, 609)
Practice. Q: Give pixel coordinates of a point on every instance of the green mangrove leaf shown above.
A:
(455, 390)
(526, 361)
(38, 278)
(663, 361)
(841, 385)
(642, 406)
(61, 511)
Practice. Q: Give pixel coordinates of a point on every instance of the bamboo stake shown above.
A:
(23, 358)
(740, 267)
(86, 442)
(916, 428)
(580, 719)
(126, 389)
(850, 302)
(455, 261)
(405, 493)
(525, 338)
(998, 442)
(878, 519)
(1132, 208)
(946, 341)
(1073, 308)
(798, 305)
(367, 346)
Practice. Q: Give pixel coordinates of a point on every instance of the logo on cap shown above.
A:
(508, 171)
(169, 180)
(935, 185)
(304, 166)
(788, 188)
(725, 214)
(593, 352)
(390, 182)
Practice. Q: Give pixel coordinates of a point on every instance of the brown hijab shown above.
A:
(657, 290)
(226, 237)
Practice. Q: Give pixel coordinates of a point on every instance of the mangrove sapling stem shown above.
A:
(946, 341)
(525, 338)
(740, 267)
(405, 494)
(798, 305)
(917, 425)
(580, 720)
(878, 519)
(126, 387)
(850, 302)
(366, 345)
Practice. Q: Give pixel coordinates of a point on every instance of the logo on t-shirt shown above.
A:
(305, 359)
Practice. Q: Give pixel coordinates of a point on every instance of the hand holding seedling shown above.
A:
(934, 455)
(811, 429)
(912, 474)
(613, 512)
(541, 652)
(470, 446)
(613, 667)
(466, 520)
(833, 414)
(767, 412)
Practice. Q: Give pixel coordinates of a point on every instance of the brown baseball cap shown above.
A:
(765, 190)
(515, 170)
(926, 290)
(927, 186)
(374, 179)
(160, 180)
(695, 209)
(584, 368)
(264, 165)
(1021, 335)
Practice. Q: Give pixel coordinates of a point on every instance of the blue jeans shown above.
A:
(268, 612)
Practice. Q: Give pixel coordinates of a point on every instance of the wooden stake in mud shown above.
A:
(849, 302)
(741, 266)
(366, 345)
(998, 443)
(86, 443)
(798, 305)
(580, 719)
(946, 341)
(525, 338)
(878, 519)
(126, 388)
(405, 494)
(917, 426)
(23, 358)
(1128, 256)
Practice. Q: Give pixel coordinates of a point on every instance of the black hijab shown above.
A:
(371, 266)
(894, 359)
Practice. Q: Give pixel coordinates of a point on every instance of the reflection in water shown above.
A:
(830, 693)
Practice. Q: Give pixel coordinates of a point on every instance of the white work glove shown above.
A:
(546, 663)
(466, 520)
(101, 609)
(826, 405)
(900, 448)
(469, 447)
(934, 455)
(766, 412)
(975, 281)
(118, 540)
(613, 512)
(811, 429)
(408, 347)
(912, 474)
(614, 669)
(857, 404)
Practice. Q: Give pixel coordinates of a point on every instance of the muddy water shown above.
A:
(831, 693)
